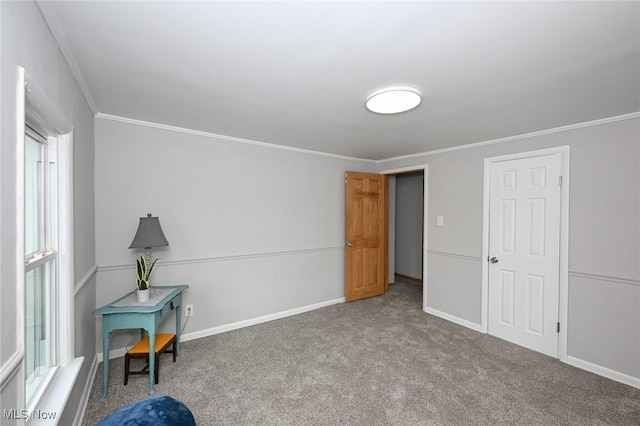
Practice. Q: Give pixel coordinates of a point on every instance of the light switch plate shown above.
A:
(440, 220)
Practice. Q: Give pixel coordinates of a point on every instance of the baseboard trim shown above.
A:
(259, 320)
(573, 361)
(603, 371)
(113, 354)
(120, 352)
(454, 319)
(86, 393)
(410, 278)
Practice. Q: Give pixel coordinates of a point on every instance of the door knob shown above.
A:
(493, 260)
(350, 244)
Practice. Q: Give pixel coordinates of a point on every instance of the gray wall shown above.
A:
(26, 41)
(408, 224)
(604, 237)
(254, 231)
(391, 252)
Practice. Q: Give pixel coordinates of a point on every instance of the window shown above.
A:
(41, 258)
(45, 281)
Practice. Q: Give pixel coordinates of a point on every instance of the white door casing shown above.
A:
(524, 243)
(425, 219)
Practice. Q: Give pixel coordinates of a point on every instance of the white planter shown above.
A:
(142, 295)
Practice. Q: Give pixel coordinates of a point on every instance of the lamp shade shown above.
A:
(149, 234)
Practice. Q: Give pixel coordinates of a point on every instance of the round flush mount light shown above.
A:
(393, 100)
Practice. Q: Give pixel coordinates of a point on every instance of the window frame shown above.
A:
(45, 255)
(33, 106)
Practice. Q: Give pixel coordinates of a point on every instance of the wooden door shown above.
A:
(524, 251)
(366, 235)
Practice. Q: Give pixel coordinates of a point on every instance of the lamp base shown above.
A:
(147, 255)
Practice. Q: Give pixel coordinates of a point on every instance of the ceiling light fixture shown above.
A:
(393, 100)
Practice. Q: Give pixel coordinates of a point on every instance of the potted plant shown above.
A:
(142, 281)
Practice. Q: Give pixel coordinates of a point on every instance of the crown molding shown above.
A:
(519, 137)
(57, 31)
(51, 19)
(225, 137)
(379, 162)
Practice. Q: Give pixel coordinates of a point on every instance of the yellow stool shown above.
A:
(141, 350)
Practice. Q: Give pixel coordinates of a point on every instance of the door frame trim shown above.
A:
(425, 213)
(563, 297)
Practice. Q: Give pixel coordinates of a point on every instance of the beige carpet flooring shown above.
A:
(378, 361)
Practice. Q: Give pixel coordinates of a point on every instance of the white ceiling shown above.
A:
(297, 73)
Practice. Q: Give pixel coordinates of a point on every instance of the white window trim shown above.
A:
(66, 276)
(18, 356)
(32, 102)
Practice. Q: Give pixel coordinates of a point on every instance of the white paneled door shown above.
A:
(524, 251)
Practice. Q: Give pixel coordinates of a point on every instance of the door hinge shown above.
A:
(558, 327)
(560, 180)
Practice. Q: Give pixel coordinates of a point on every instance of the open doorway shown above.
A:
(408, 225)
(407, 231)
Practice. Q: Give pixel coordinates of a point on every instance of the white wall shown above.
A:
(408, 224)
(27, 42)
(604, 238)
(253, 230)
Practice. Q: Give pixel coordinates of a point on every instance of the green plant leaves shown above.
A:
(141, 265)
(151, 268)
(143, 273)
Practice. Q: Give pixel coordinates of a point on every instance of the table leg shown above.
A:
(152, 363)
(105, 366)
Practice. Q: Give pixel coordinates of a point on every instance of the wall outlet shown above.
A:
(188, 311)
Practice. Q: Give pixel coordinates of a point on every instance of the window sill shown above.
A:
(49, 408)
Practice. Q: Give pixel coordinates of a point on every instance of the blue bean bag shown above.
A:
(155, 411)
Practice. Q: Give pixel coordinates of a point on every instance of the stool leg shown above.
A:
(174, 350)
(126, 369)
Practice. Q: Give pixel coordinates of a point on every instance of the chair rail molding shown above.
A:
(226, 258)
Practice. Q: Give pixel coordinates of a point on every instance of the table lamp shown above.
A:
(149, 235)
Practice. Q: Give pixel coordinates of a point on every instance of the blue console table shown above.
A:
(126, 313)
